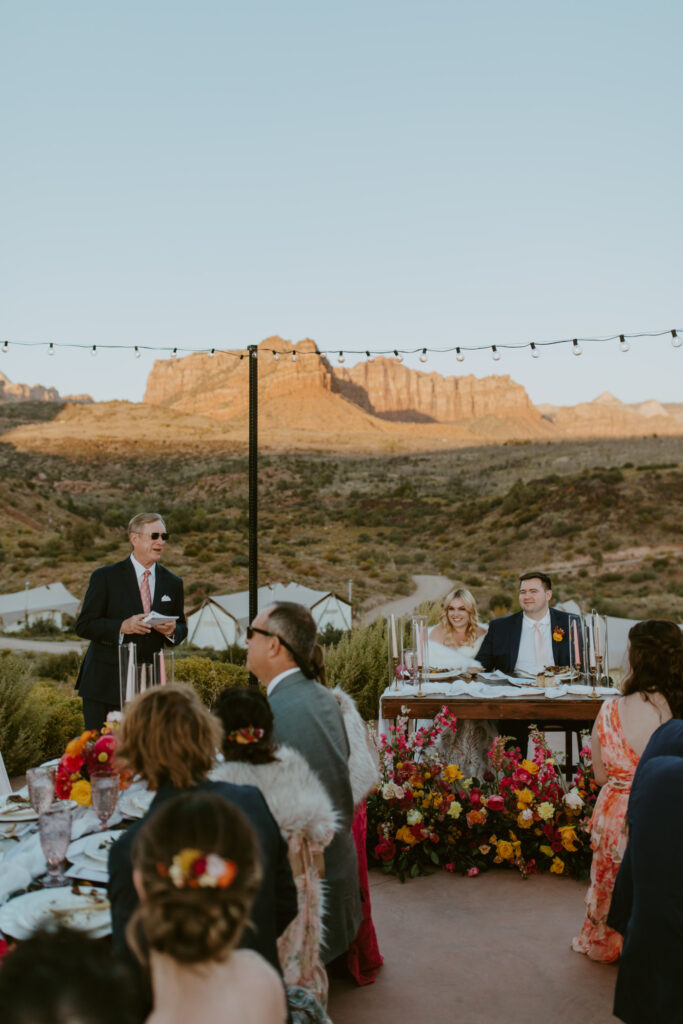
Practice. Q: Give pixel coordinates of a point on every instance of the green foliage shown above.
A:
(62, 667)
(21, 718)
(359, 665)
(41, 627)
(209, 678)
(63, 714)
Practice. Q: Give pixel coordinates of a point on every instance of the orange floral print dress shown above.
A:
(608, 837)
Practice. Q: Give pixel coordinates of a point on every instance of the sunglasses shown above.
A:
(264, 632)
(155, 535)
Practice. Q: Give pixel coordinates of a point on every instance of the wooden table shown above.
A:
(561, 712)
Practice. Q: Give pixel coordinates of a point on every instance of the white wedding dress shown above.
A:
(468, 746)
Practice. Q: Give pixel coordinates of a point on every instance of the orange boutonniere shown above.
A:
(558, 634)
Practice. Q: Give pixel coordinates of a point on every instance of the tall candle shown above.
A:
(577, 650)
(591, 642)
(598, 638)
(419, 645)
(394, 641)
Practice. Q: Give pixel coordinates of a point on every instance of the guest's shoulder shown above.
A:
(255, 969)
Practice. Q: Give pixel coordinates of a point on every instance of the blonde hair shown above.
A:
(167, 735)
(193, 925)
(470, 607)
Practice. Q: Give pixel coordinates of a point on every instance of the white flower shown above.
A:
(455, 810)
(413, 817)
(527, 815)
(390, 791)
(546, 810)
(573, 800)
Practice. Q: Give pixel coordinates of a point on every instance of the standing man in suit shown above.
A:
(525, 642)
(280, 645)
(117, 600)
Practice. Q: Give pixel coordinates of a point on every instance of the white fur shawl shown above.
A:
(295, 795)
(363, 759)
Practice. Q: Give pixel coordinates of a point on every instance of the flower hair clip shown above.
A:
(192, 869)
(244, 736)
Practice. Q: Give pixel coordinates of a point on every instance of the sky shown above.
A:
(371, 175)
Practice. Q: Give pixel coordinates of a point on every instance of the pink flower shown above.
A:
(496, 803)
(449, 867)
(471, 872)
(475, 798)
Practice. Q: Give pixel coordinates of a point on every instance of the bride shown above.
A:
(454, 643)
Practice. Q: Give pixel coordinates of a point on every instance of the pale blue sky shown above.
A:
(369, 175)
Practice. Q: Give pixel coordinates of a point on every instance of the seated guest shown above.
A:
(454, 643)
(64, 977)
(196, 869)
(299, 803)
(280, 652)
(653, 691)
(527, 641)
(170, 739)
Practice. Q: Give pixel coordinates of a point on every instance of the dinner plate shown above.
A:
(86, 911)
(12, 809)
(93, 849)
(134, 803)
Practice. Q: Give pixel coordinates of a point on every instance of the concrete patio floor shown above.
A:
(476, 950)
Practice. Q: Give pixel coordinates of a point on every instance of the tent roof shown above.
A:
(51, 597)
(237, 605)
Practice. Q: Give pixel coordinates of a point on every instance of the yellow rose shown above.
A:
(80, 792)
(504, 849)
(557, 866)
(452, 773)
(546, 810)
(547, 850)
(568, 837)
(529, 766)
(524, 796)
(404, 835)
(455, 810)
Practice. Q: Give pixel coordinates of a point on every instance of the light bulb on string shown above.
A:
(534, 351)
(5, 348)
(495, 354)
(623, 344)
(675, 340)
(276, 357)
(423, 356)
(460, 356)
(138, 353)
(367, 354)
(93, 350)
(294, 354)
(51, 349)
(212, 353)
(398, 355)
(576, 348)
(340, 358)
(174, 353)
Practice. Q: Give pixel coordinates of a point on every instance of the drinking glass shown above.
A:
(55, 836)
(410, 664)
(41, 788)
(104, 791)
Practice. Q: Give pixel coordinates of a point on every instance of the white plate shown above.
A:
(94, 849)
(134, 803)
(87, 911)
(15, 811)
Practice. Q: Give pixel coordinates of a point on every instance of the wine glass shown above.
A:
(104, 792)
(55, 836)
(41, 788)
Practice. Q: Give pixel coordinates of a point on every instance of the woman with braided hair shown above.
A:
(652, 694)
(196, 870)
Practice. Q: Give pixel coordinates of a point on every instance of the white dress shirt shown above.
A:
(278, 679)
(527, 662)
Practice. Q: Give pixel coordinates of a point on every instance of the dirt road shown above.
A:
(428, 588)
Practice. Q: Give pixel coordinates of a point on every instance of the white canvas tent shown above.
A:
(223, 620)
(51, 602)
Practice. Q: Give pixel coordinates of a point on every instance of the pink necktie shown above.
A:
(539, 646)
(145, 592)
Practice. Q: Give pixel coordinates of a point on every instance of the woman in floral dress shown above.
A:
(621, 733)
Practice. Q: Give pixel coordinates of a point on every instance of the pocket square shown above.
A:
(166, 598)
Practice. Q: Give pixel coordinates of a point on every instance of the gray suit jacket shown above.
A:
(308, 718)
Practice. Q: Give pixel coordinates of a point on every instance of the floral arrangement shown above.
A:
(425, 814)
(244, 736)
(88, 753)
(192, 869)
(558, 634)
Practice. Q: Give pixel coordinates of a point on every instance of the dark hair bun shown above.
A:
(194, 925)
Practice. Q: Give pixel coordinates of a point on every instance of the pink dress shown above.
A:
(608, 837)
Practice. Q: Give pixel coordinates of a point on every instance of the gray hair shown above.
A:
(295, 624)
(141, 519)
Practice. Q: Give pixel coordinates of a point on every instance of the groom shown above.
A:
(525, 642)
(118, 599)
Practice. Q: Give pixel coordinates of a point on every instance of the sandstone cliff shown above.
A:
(10, 392)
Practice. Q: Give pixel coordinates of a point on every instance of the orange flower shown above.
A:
(475, 818)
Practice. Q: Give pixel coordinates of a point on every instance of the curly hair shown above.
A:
(239, 708)
(193, 925)
(656, 662)
(167, 735)
(470, 606)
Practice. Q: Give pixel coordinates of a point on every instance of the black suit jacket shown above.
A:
(500, 646)
(112, 596)
(276, 901)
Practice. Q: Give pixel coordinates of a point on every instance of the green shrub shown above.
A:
(63, 714)
(21, 719)
(209, 678)
(62, 667)
(359, 665)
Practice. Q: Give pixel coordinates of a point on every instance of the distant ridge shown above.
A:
(10, 392)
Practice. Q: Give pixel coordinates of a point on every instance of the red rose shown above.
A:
(475, 798)
(449, 867)
(521, 776)
(496, 803)
(72, 763)
(199, 867)
(62, 784)
(385, 850)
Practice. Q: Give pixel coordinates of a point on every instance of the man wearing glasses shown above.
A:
(280, 652)
(118, 599)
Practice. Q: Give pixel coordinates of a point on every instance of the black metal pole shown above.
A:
(253, 489)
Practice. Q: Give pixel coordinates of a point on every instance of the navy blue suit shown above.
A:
(276, 901)
(112, 596)
(500, 646)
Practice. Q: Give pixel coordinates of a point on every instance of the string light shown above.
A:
(623, 344)
(93, 350)
(398, 356)
(174, 353)
(340, 358)
(294, 356)
(51, 349)
(495, 354)
(276, 356)
(576, 348)
(138, 353)
(423, 357)
(675, 340)
(459, 356)
(212, 353)
(5, 348)
(367, 354)
(534, 351)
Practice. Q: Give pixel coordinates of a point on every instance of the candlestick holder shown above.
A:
(591, 676)
(598, 668)
(395, 686)
(420, 674)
